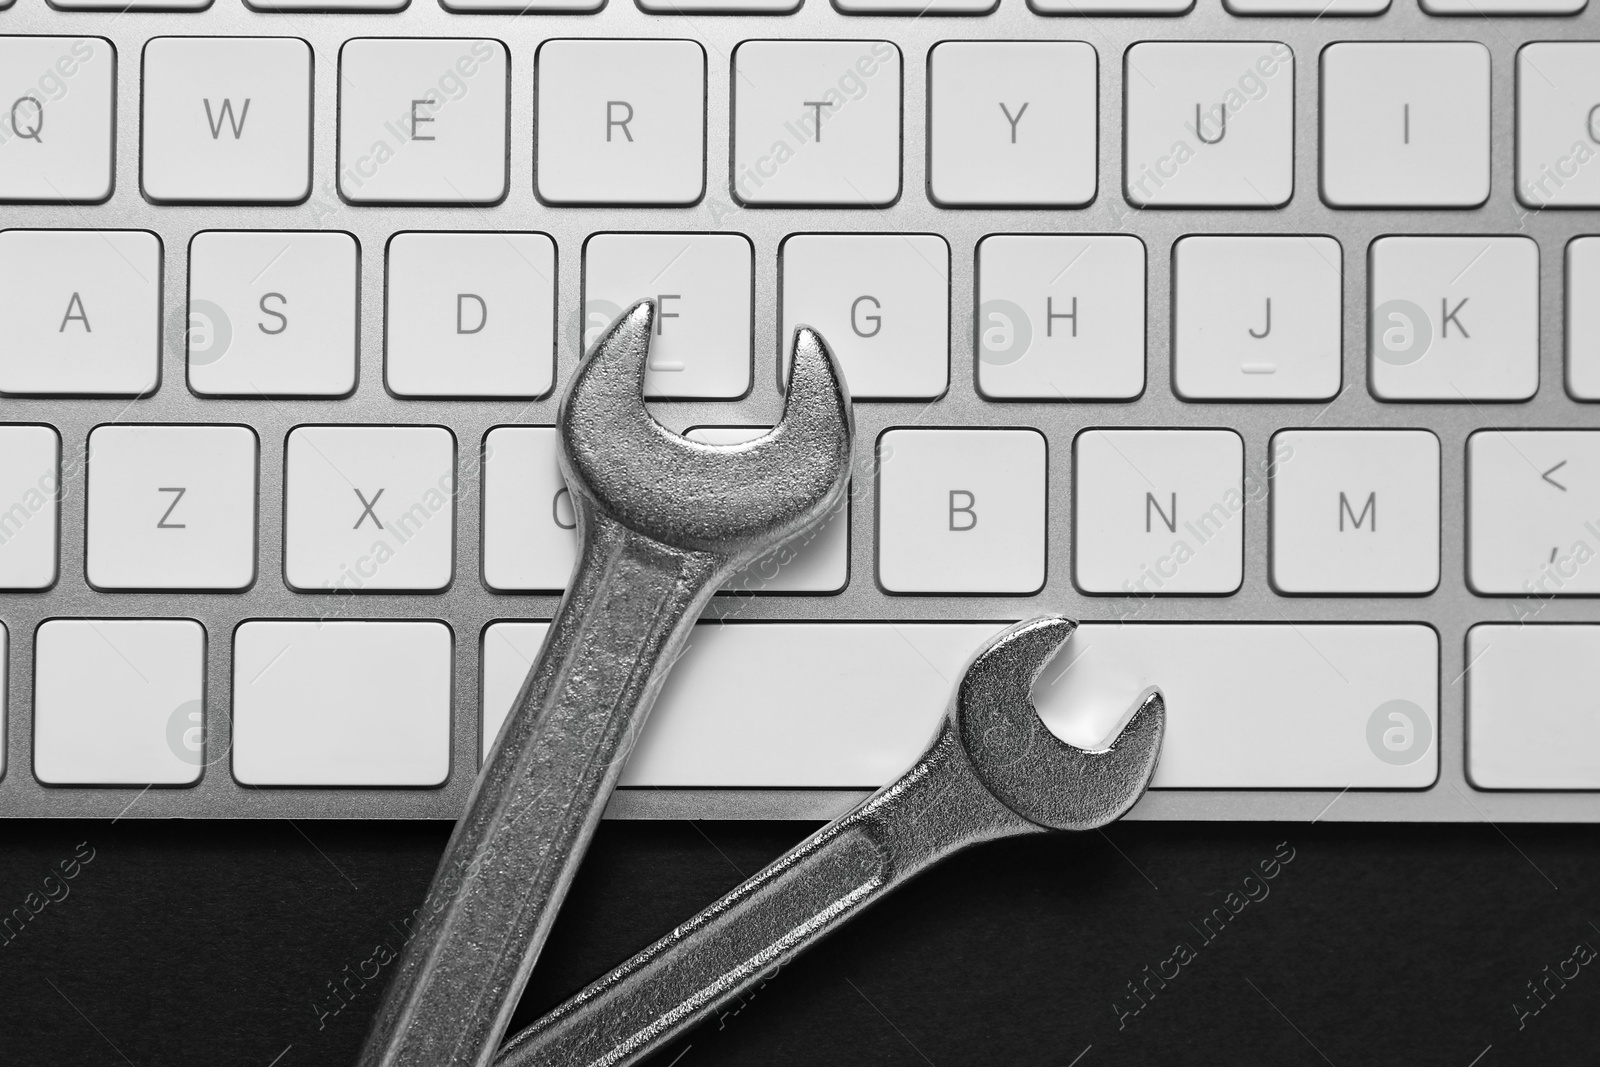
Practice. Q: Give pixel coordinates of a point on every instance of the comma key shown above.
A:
(1533, 512)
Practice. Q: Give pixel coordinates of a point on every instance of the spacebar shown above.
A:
(1250, 706)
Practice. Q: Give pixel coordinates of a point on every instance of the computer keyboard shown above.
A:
(1261, 335)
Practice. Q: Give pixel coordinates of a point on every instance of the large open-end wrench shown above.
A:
(662, 523)
(994, 770)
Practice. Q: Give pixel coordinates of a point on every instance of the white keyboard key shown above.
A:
(1454, 318)
(1533, 512)
(746, 706)
(883, 303)
(1583, 318)
(1558, 124)
(272, 313)
(1316, 8)
(1405, 124)
(621, 122)
(518, 7)
(1480, 8)
(341, 703)
(131, 5)
(1027, 137)
(5, 657)
(719, 7)
(962, 511)
(816, 122)
(423, 120)
(56, 138)
(113, 700)
(816, 562)
(1530, 707)
(369, 508)
(702, 285)
(530, 539)
(172, 507)
(227, 119)
(327, 5)
(30, 494)
(1355, 511)
(1364, 712)
(1111, 7)
(1257, 318)
(509, 649)
(1159, 511)
(916, 7)
(1061, 317)
(1210, 124)
(470, 314)
(82, 310)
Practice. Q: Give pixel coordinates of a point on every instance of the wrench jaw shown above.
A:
(737, 502)
(1029, 769)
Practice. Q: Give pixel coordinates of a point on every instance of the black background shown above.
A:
(206, 943)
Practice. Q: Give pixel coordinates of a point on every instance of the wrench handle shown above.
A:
(740, 941)
(626, 617)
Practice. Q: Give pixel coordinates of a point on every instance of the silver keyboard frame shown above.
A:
(469, 607)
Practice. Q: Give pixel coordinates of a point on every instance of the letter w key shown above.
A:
(225, 114)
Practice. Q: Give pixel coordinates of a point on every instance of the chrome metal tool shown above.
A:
(993, 770)
(663, 522)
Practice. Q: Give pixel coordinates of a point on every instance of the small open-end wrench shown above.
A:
(994, 770)
(662, 523)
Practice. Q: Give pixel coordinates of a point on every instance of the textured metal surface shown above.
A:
(468, 607)
(663, 522)
(945, 802)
